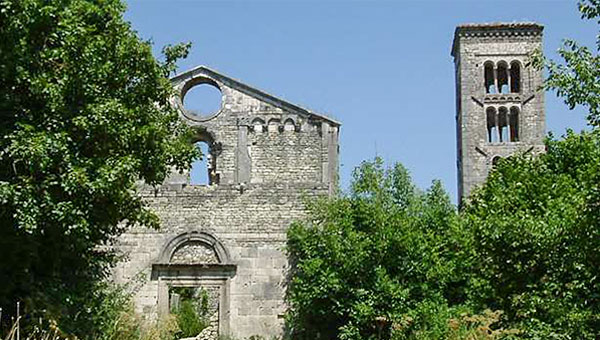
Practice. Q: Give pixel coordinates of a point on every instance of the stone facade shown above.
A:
(266, 157)
(499, 104)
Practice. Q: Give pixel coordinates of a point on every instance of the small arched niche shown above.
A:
(273, 125)
(495, 161)
(289, 125)
(258, 125)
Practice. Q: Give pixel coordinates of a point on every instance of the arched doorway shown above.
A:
(199, 264)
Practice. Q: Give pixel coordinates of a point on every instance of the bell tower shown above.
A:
(499, 104)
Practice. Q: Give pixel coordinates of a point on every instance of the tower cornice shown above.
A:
(496, 30)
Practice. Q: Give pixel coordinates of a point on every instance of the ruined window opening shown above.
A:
(273, 125)
(514, 124)
(491, 125)
(489, 77)
(203, 170)
(203, 99)
(515, 77)
(503, 124)
(289, 125)
(502, 78)
(258, 125)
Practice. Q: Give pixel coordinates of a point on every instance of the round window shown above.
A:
(202, 101)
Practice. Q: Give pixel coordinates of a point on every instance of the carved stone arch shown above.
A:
(201, 238)
(202, 134)
(212, 278)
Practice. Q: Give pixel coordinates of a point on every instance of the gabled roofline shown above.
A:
(251, 91)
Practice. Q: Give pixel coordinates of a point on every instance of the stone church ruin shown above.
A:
(225, 240)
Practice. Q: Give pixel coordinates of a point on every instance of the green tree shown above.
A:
(577, 78)
(536, 239)
(84, 116)
(376, 261)
(535, 222)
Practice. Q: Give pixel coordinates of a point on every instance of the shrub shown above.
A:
(364, 261)
(536, 231)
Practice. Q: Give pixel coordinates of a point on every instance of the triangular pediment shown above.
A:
(203, 71)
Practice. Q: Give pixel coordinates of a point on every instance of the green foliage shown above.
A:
(193, 314)
(576, 80)
(374, 258)
(84, 115)
(190, 322)
(116, 319)
(390, 262)
(536, 239)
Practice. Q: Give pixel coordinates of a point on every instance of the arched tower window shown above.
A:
(503, 124)
(514, 124)
(502, 77)
(492, 128)
(515, 77)
(489, 77)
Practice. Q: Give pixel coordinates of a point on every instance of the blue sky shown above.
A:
(383, 68)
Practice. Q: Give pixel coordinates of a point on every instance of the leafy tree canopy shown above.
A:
(84, 115)
(536, 240)
(382, 255)
(577, 79)
(527, 243)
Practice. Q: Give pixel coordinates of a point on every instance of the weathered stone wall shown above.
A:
(474, 45)
(270, 156)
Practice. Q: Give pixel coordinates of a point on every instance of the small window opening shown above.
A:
(204, 170)
(489, 78)
(496, 160)
(492, 125)
(502, 78)
(514, 124)
(515, 77)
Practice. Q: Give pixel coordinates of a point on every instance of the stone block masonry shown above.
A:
(499, 101)
(267, 157)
